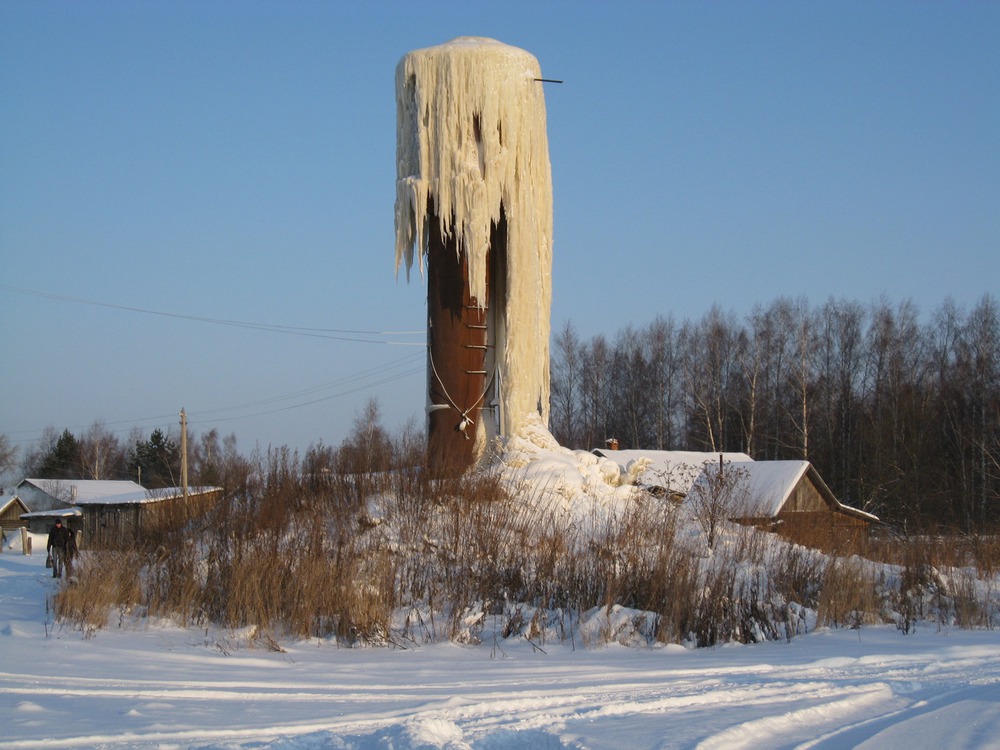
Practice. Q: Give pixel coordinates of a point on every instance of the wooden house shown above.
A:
(111, 513)
(12, 508)
(786, 497)
(118, 520)
(49, 499)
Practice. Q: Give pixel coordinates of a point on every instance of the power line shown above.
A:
(343, 382)
(398, 376)
(323, 333)
(353, 383)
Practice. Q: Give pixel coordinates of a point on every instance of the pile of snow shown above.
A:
(673, 471)
(571, 474)
(577, 487)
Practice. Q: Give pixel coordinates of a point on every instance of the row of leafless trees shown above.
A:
(153, 461)
(213, 459)
(899, 412)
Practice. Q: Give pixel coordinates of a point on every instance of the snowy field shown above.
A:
(163, 687)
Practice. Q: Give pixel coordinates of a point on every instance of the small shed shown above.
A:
(786, 497)
(42, 521)
(670, 473)
(11, 509)
(49, 499)
(115, 520)
(109, 512)
(51, 494)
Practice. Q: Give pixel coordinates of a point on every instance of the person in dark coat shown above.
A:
(56, 547)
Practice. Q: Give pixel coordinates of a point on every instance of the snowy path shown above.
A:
(168, 688)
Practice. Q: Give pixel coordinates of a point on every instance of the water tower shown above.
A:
(474, 205)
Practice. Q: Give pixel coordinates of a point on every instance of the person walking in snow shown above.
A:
(59, 538)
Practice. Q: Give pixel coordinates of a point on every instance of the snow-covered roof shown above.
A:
(84, 490)
(675, 471)
(770, 483)
(110, 492)
(767, 485)
(72, 512)
(7, 499)
(145, 496)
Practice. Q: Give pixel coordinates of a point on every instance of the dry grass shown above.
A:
(941, 548)
(106, 583)
(849, 594)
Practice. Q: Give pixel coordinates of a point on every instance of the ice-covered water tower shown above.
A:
(474, 204)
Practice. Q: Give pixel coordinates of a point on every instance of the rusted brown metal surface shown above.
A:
(457, 346)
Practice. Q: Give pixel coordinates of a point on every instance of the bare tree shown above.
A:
(708, 371)
(894, 385)
(664, 365)
(980, 370)
(838, 374)
(8, 455)
(802, 371)
(368, 448)
(216, 462)
(721, 493)
(753, 354)
(101, 453)
(34, 456)
(775, 329)
(596, 392)
(630, 386)
(900, 416)
(567, 386)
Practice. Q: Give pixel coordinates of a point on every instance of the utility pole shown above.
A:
(184, 454)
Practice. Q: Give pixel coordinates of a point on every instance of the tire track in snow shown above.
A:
(480, 711)
(778, 729)
(702, 700)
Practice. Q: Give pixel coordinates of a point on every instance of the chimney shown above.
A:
(612, 444)
(73, 492)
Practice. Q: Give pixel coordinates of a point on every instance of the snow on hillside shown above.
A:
(143, 684)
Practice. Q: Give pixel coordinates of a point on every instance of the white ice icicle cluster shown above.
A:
(470, 140)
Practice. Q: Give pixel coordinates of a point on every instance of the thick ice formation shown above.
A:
(471, 141)
(573, 483)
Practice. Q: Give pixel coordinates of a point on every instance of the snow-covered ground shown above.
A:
(162, 687)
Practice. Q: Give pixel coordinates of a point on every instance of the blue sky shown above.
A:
(185, 163)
